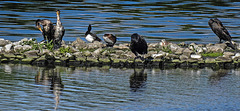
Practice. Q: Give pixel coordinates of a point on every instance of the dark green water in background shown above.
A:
(173, 20)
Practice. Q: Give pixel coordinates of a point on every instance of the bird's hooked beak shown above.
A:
(39, 28)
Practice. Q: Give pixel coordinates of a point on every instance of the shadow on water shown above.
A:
(138, 79)
(51, 77)
(215, 77)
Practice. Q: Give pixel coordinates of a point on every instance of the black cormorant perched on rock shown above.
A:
(58, 32)
(138, 45)
(218, 28)
(110, 39)
(47, 29)
(90, 37)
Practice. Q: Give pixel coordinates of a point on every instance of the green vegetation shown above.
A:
(90, 50)
(49, 45)
(65, 50)
(166, 49)
(30, 42)
(38, 46)
(215, 54)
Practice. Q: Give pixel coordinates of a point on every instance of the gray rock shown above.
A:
(4, 42)
(209, 45)
(130, 54)
(153, 45)
(236, 56)
(150, 53)
(194, 56)
(20, 48)
(201, 45)
(73, 50)
(158, 55)
(193, 46)
(95, 45)
(174, 47)
(8, 47)
(79, 44)
(114, 56)
(27, 47)
(215, 49)
(187, 52)
(17, 43)
(44, 51)
(24, 40)
(119, 52)
(182, 44)
(222, 45)
(68, 55)
(121, 46)
(179, 51)
(1, 49)
(224, 59)
(200, 50)
(105, 53)
(78, 54)
(183, 57)
(210, 60)
(172, 56)
(31, 54)
(228, 54)
(97, 52)
(87, 53)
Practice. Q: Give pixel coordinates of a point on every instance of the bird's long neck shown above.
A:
(58, 20)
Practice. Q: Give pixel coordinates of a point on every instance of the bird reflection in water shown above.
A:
(51, 77)
(138, 79)
(216, 76)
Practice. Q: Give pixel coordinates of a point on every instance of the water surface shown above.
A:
(25, 87)
(174, 20)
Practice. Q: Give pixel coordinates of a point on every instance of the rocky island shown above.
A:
(79, 53)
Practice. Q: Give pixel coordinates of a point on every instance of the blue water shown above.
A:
(173, 20)
(25, 87)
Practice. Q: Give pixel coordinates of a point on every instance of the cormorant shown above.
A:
(58, 31)
(138, 45)
(110, 39)
(90, 37)
(218, 28)
(47, 30)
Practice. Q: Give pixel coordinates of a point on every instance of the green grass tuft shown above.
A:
(215, 54)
